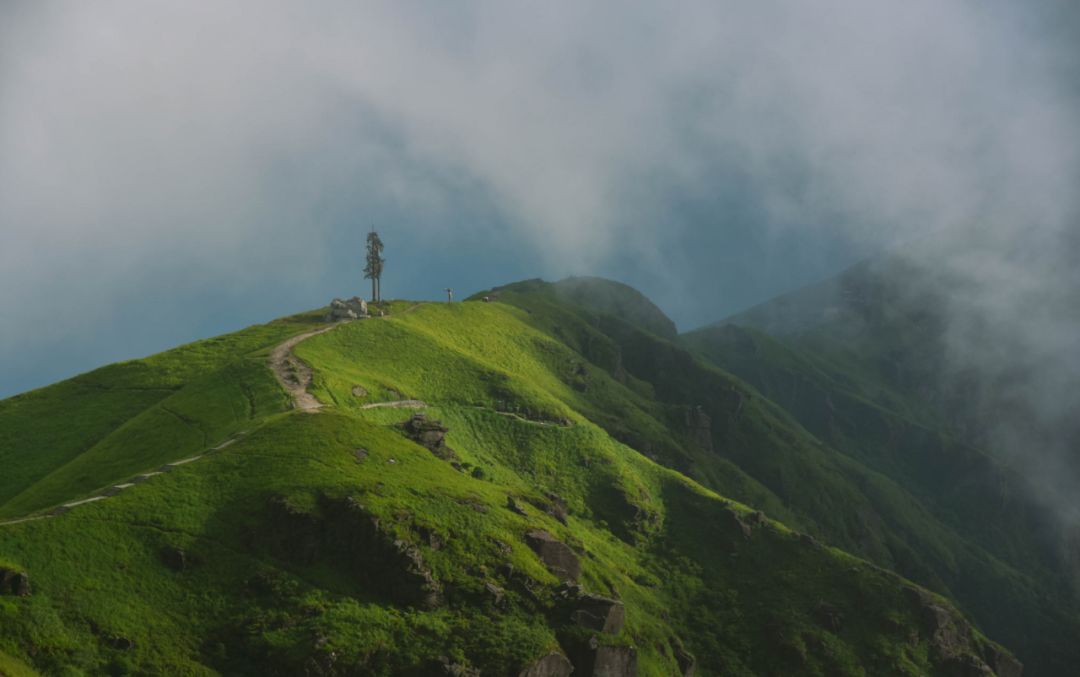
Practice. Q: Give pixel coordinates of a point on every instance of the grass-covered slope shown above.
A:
(985, 504)
(340, 543)
(875, 482)
(859, 361)
(63, 441)
(872, 422)
(595, 294)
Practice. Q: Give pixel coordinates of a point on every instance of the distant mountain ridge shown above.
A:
(604, 296)
(866, 362)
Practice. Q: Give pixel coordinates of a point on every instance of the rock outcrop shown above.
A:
(686, 661)
(515, 507)
(552, 665)
(556, 555)
(430, 434)
(1003, 664)
(952, 642)
(602, 614)
(15, 583)
(451, 669)
(350, 309)
(496, 594)
(341, 533)
(554, 505)
(593, 659)
(741, 526)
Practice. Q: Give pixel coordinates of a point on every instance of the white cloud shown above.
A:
(215, 137)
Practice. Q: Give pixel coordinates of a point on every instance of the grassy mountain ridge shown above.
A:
(864, 369)
(70, 438)
(342, 543)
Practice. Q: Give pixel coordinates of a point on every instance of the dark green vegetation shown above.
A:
(861, 362)
(343, 543)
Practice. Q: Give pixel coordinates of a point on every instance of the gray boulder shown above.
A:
(515, 507)
(556, 555)
(552, 665)
(557, 507)
(349, 309)
(598, 613)
(431, 434)
(592, 659)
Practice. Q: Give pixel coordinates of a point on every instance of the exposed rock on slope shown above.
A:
(595, 612)
(551, 665)
(556, 555)
(952, 641)
(593, 659)
(342, 533)
(430, 434)
(14, 583)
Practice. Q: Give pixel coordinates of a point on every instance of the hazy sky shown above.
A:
(172, 170)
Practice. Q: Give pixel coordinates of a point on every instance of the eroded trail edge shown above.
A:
(294, 374)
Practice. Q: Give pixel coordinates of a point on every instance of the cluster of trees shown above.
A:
(374, 268)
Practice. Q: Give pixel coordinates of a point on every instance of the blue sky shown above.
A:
(171, 170)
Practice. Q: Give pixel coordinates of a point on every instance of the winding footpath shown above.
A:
(294, 374)
(396, 404)
(117, 488)
(295, 377)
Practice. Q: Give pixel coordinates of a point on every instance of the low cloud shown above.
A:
(154, 155)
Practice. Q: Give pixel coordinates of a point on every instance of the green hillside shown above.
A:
(862, 366)
(66, 440)
(564, 438)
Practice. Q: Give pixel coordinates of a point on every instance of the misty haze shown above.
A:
(540, 340)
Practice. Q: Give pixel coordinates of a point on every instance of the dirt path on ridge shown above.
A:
(293, 374)
(396, 404)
